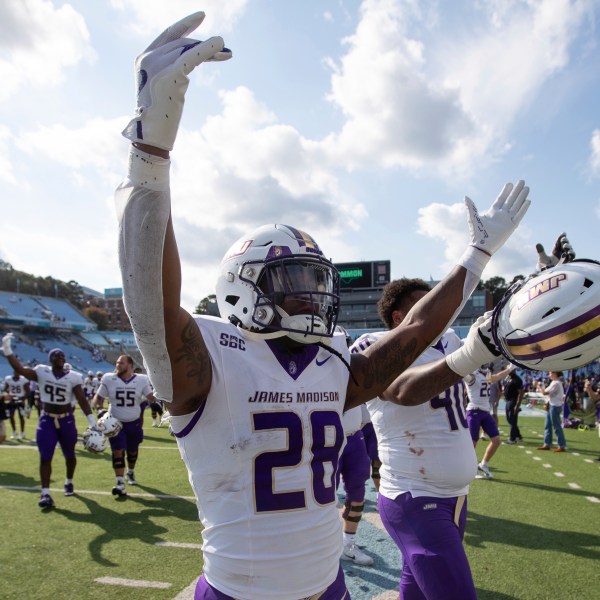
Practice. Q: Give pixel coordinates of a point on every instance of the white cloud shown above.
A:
(6, 168)
(595, 155)
(419, 98)
(152, 16)
(38, 42)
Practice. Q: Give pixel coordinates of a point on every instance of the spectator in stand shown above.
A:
(513, 396)
(594, 395)
(556, 397)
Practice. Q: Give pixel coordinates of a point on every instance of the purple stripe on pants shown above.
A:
(434, 563)
(47, 435)
(336, 591)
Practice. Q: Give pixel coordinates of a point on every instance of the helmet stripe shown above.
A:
(558, 339)
(304, 240)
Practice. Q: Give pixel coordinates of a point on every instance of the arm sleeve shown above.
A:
(143, 206)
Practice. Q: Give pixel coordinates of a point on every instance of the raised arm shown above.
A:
(170, 342)
(14, 361)
(382, 363)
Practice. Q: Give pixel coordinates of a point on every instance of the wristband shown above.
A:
(474, 260)
(91, 420)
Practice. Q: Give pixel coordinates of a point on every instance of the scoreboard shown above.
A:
(364, 275)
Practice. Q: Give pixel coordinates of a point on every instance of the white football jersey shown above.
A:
(351, 420)
(54, 390)
(425, 449)
(125, 396)
(16, 388)
(478, 390)
(262, 456)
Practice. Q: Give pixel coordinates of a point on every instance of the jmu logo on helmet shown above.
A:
(540, 288)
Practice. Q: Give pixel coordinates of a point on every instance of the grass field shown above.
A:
(532, 533)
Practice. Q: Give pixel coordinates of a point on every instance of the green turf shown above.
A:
(530, 536)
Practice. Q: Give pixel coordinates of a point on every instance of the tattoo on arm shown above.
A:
(192, 352)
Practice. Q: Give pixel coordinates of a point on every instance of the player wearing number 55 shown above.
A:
(57, 388)
(122, 425)
(256, 396)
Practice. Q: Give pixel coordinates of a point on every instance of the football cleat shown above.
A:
(353, 553)
(130, 478)
(69, 491)
(46, 501)
(485, 471)
(119, 490)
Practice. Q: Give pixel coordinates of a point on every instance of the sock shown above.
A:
(484, 463)
(120, 479)
(45, 491)
(349, 538)
(67, 481)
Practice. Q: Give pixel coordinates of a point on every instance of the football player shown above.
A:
(256, 396)
(57, 390)
(125, 391)
(479, 414)
(16, 388)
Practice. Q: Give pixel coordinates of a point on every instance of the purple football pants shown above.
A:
(429, 532)
(336, 591)
(129, 438)
(477, 419)
(354, 467)
(51, 431)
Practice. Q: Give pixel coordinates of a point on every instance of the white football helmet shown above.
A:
(276, 281)
(109, 425)
(551, 321)
(94, 440)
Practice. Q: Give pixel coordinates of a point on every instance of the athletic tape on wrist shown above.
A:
(474, 260)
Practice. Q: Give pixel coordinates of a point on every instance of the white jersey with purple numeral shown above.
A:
(424, 449)
(125, 396)
(57, 391)
(478, 390)
(16, 387)
(262, 456)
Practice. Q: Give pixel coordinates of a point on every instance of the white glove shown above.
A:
(7, 344)
(489, 230)
(478, 348)
(562, 249)
(161, 81)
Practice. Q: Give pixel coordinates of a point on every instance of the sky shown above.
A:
(363, 123)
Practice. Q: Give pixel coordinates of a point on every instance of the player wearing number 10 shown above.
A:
(256, 397)
(428, 461)
(126, 391)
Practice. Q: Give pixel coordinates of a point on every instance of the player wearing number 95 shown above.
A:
(57, 388)
(256, 396)
(126, 391)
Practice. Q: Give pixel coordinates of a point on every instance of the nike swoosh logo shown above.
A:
(322, 362)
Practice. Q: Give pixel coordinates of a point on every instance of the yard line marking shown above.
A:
(574, 486)
(528, 452)
(374, 519)
(179, 545)
(547, 465)
(536, 458)
(97, 493)
(522, 448)
(592, 499)
(133, 582)
(559, 474)
(391, 595)
(188, 592)
(588, 460)
(575, 453)
(534, 432)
